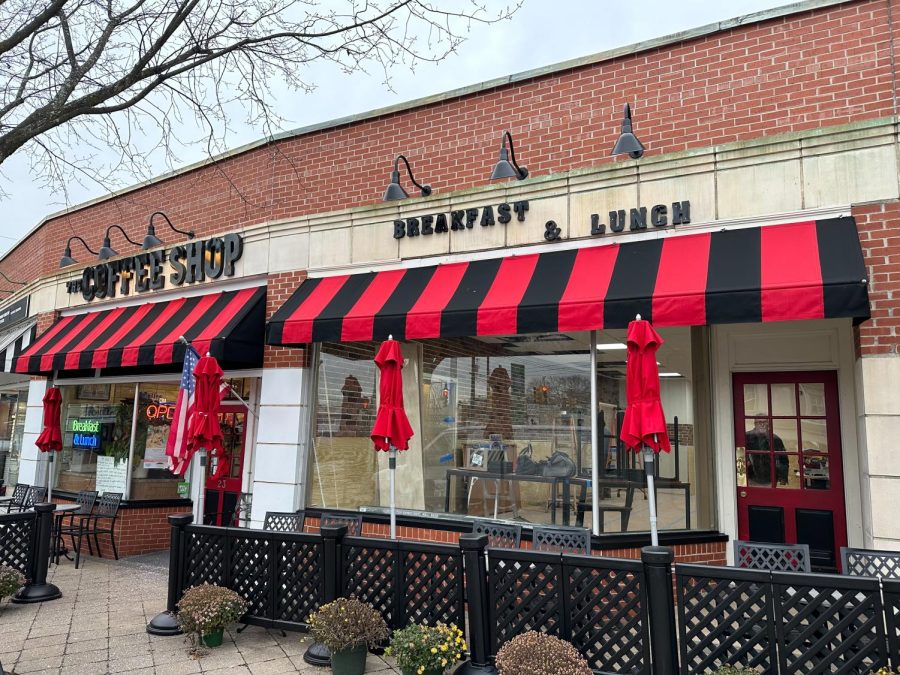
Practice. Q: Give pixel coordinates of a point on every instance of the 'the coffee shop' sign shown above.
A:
(190, 263)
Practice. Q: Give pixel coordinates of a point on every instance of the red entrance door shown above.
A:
(223, 494)
(790, 486)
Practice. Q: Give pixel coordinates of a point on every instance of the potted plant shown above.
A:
(426, 650)
(535, 653)
(348, 628)
(10, 581)
(205, 611)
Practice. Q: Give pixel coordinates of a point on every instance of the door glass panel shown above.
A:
(756, 400)
(759, 469)
(784, 403)
(815, 472)
(756, 436)
(784, 436)
(814, 435)
(812, 398)
(787, 470)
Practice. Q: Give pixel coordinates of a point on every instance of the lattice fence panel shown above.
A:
(298, 584)
(525, 594)
(863, 563)
(892, 613)
(17, 541)
(606, 617)
(828, 624)
(432, 587)
(251, 573)
(725, 618)
(204, 558)
(370, 574)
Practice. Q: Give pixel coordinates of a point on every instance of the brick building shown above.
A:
(756, 233)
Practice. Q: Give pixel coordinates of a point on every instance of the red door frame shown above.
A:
(792, 499)
(230, 483)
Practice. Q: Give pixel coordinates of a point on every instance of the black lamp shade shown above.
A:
(67, 258)
(629, 143)
(394, 190)
(504, 169)
(151, 240)
(107, 251)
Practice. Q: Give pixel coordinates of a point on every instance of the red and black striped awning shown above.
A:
(229, 325)
(806, 270)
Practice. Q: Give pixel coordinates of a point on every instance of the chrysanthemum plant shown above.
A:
(419, 648)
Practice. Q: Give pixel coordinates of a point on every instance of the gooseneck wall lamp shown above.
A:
(67, 258)
(107, 251)
(628, 142)
(394, 190)
(152, 241)
(12, 281)
(507, 166)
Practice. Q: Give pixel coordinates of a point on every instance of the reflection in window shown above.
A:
(12, 428)
(503, 405)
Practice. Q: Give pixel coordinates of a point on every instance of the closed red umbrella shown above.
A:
(50, 438)
(644, 426)
(392, 430)
(203, 425)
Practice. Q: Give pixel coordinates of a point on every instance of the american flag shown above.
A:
(176, 445)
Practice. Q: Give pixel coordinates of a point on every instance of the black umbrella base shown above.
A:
(469, 668)
(318, 654)
(36, 593)
(164, 624)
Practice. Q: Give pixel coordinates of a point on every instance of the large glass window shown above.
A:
(496, 419)
(12, 427)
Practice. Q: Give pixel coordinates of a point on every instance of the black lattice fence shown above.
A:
(408, 582)
(785, 623)
(18, 540)
(279, 573)
(598, 604)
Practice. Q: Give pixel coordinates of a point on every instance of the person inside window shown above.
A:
(757, 439)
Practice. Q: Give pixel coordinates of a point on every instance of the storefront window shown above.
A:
(518, 407)
(12, 427)
(150, 476)
(97, 422)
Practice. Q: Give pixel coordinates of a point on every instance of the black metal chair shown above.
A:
(34, 495)
(774, 557)
(583, 506)
(862, 562)
(500, 535)
(18, 497)
(561, 540)
(284, 521)
(103, 521)
(75, 525)
(352, 523)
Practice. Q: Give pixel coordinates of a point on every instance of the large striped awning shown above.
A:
(804, 270)
(229, 325)
(14, 341)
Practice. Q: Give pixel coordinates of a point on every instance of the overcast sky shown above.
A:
(543, 32)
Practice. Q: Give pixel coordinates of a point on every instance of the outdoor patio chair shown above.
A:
(773, 557)
(352, 523)
(34, 495)
(74, 527)
(17, 497)
(103, 521)
(862, 562)
(500, 535)
(561, 540)
(284, 521)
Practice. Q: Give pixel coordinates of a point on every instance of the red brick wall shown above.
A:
(879, 232)
(138, 530)
(279, 288)
(706, 554)
(817, 68)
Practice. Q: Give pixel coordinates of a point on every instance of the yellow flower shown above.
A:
(434, 650)
(443, 662)
(443, 648)
(420, 670)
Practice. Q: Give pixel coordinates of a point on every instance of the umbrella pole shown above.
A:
(651, 494)
(50, 475)
(392, 468)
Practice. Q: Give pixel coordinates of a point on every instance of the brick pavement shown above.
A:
(98, 626)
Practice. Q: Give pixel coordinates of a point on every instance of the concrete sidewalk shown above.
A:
(98, 626)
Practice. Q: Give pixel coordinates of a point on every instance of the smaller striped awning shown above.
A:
(804, 270)
(13, 342)
(229, 325)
